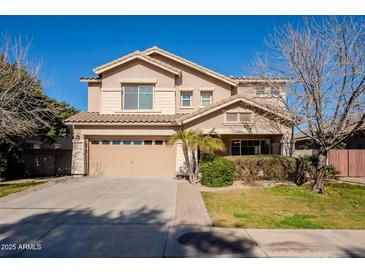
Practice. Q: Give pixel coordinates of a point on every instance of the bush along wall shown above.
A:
(222, 171)
(217, 172)
(271, 167)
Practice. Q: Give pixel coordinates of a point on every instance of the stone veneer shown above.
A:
(78, 157)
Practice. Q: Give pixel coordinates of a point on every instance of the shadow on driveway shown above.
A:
(81, 233)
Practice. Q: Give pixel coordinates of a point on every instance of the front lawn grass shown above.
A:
(342, 207)
(6, 189)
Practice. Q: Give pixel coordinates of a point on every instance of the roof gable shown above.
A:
(132, 56)
(193, 65)
(145, 55)
(229, 101)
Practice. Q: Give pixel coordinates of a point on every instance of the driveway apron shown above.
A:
(90, 217)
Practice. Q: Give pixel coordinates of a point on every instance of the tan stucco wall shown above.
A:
(111, 101)
(164, 101)
(249, 89)
(192, 78)
(94, 97)
(137, 69)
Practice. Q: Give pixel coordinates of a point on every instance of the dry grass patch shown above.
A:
(342, 207)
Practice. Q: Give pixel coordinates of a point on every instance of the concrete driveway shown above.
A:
(145, 217)
(90, 217)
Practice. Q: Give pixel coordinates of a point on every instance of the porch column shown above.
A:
(284, 147)
(78, 155)
(180, 160)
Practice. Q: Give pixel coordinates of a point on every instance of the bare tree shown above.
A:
(325, 59)
(24, 108)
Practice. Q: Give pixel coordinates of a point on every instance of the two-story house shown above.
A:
(138, 101)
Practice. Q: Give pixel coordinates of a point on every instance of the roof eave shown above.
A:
(263, 80)
(119, 123)
(85, 80)
(99, 70)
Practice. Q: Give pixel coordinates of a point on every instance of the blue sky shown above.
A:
(69, 47)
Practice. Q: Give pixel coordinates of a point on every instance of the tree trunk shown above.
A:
(187, 162)
(318, 185)
(292, 142)
(195, 166)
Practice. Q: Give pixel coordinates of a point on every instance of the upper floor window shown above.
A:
(275, 91)
(206, 98)
(138, 97)
(237, 117)
(186, 98)
(260, 91)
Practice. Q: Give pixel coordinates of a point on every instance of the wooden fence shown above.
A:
(47, 162)
(350, 162)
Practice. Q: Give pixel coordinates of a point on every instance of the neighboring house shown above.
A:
(356, 141)
(138, 101)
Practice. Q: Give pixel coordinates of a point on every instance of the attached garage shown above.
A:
(137, 156)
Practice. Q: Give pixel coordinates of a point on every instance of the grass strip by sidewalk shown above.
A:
(6, 189)
(342, 207)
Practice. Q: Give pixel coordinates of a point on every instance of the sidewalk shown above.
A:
(206, 241)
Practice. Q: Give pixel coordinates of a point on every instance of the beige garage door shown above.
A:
(131, 157)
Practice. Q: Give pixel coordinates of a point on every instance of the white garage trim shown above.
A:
(128, 132)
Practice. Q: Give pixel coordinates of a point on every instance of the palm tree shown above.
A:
(208, 144)
(187, 138)
(191, 142)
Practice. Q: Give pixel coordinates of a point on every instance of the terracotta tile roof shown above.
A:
(96, 118)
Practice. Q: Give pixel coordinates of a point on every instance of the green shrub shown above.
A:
(218, 172)
(331, 172)
(271, 167)
(303, 170)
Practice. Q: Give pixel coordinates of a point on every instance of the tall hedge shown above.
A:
(217, 172)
